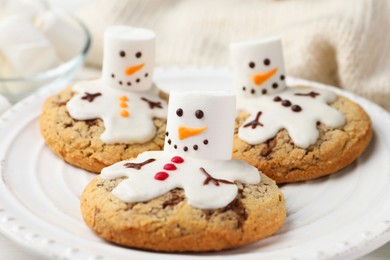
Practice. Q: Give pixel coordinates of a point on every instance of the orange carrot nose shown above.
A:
(133, 69)
(260, 78)
(185, 132)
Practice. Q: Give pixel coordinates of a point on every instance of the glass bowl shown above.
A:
(17, 88)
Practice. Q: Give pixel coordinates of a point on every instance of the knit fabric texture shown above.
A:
(340, 43)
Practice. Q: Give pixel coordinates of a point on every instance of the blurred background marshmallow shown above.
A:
(26, 48)
(35, 37)
(66, 38)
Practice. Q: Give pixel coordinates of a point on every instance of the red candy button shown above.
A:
(170, 167)
(161, 176)
(177, 159)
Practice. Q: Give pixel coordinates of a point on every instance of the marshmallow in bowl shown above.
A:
(25, 47)
(37, 38)
(6, 68)
(64, 35)
(29, 9)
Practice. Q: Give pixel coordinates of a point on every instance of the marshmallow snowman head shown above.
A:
(128, 59)
(258, 67)
(201, 124)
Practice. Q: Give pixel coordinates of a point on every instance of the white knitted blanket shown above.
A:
(341, 43)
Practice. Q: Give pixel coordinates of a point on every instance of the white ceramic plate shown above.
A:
(342, 216)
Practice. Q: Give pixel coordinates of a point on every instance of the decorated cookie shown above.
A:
(96, 123)
(291, 133)
(194, 188)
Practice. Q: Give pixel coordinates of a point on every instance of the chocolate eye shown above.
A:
(252, 64)
(199, 114)
(122, 54)
(179, 112)
(267, 62)
(138, 55)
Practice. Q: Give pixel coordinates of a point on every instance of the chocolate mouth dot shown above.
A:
(282, 77)
(169, 141)
(195, 147)
(205, 141)
(277, 99)
(296, 108)
(275, 85)
(244, 88)
(146, 75)
(137, 80)
(185, 148)
(166, 133)
(253, 91)
(120, 82)
(264, 91)
(129, 83)
(286, 103)
(175, 146)
(112, 75)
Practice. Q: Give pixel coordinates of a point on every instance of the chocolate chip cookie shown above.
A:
(280, 159)
(169, 223)
(78, 142)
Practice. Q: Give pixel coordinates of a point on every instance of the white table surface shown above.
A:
(11, 251)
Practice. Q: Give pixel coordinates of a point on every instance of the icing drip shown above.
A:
(208, 184)
(296, 109)
(127, 117)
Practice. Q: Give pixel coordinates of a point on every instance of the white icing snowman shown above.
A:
(274, 106)
(204, 170)
(124, 97)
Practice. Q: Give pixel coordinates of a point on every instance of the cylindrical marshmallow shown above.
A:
(128, 59)
(201, 124)
(258, 67)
